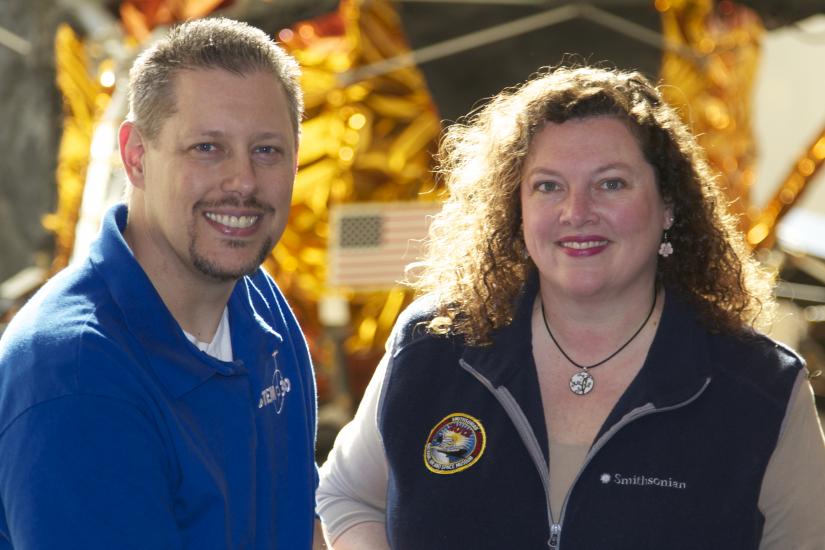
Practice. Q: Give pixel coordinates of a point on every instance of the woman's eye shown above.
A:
(613, 184)
(547, 186)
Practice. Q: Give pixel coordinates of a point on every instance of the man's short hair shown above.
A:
(213, 43)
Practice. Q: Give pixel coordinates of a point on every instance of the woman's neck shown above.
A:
(592, 328)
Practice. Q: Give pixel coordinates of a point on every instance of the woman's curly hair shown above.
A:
(476, 262)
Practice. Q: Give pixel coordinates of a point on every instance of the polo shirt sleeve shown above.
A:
(86, 471)
(353, 486)
(794, 484)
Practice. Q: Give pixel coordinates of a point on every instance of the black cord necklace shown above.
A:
(582, 382)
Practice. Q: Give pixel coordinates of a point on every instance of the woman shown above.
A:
(582, 371)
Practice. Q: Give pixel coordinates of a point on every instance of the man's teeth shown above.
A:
(236, 222)
(582, 245)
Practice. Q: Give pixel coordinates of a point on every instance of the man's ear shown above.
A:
(132, 148)
(295, 162)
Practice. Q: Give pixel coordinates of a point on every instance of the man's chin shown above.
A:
(223, 273)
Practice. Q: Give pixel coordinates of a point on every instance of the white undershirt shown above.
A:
(221, 345)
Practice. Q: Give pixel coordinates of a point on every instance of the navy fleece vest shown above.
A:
(677, 465)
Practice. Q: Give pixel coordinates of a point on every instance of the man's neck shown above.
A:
(195, 300)
(198, 311)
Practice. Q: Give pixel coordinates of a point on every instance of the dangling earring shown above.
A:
(666, 247)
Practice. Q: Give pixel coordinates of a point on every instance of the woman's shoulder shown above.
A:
(745, 346)
(756, 348)
(745, 356)
(765, 364)
(414, 321)
(418, 323)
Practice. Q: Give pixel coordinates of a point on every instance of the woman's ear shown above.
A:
(669, 218)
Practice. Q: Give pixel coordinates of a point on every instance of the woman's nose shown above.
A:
(578, 208)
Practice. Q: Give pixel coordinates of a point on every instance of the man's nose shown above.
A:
(241, 178)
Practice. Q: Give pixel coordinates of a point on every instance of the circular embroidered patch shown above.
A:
(454, 444)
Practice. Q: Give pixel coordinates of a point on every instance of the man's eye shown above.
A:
(268, 154)
(204, 147)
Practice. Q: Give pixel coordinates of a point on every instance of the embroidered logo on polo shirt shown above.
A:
(276, 393)
(454, 444)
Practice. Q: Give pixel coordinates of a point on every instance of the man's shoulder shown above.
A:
(56, 345)
(57, 312)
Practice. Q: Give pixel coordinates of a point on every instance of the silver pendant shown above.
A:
(581, 383)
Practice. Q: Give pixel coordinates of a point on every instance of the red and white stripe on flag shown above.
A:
(371, 243)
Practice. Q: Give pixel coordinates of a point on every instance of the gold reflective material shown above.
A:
(84, 100)
(366, 141)
(712, 91)
(818, 149)
(790, 190)
(806, 166)
(371, 140)
(714, 96)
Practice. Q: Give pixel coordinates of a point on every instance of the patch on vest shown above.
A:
(454, 444)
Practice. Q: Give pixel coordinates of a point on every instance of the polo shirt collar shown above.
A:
(177, 363)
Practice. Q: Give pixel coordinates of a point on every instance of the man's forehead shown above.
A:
(203, 97)
(199, 76)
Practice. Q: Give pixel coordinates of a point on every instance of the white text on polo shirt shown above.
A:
(276, 393)
(267, 397)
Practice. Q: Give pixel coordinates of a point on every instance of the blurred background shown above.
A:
(382, 79)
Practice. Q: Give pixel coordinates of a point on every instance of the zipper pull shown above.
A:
(555, 533)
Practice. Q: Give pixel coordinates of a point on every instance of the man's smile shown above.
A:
(236, 222)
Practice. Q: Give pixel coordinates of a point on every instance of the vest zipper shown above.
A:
(635, 414)
(513, 410)
(555, 535)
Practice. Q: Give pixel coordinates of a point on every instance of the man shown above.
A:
(159, 394)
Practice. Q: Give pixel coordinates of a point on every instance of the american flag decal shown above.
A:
(361, 232)
(371, 243)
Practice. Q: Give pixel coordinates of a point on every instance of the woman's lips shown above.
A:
(583, 246)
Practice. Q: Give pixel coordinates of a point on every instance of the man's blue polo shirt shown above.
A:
(117, 432)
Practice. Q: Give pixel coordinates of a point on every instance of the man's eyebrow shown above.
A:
(221, 133)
